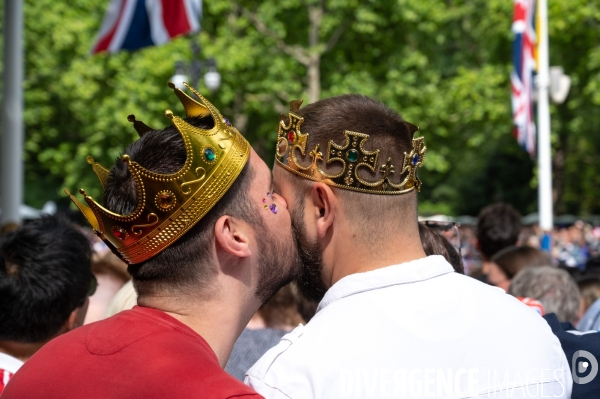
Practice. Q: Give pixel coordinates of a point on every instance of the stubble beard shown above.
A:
(309, 277)
(278, 265)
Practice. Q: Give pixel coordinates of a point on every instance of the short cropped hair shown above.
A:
(187, 264)
(514, 259)
(45, 273)
(553, 287)
(498, 227)
(327, 120)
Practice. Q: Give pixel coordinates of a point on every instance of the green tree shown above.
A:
(444, 65)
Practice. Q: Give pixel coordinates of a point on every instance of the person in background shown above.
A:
(471, 258)
(589, 288)
(278, 316)
(498, 227)
(508, 262)
(553, 287)
(434, 243)
(571, 248)
(559, 295)
(45, 282)
(124, 299)
(111, 273)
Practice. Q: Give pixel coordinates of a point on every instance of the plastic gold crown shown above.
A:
(351, 155)
(169, 205)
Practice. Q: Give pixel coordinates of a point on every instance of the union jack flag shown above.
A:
(521, 78)
(133, 24)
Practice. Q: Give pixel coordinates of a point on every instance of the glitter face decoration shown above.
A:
(272, 207)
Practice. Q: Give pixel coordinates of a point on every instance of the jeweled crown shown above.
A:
(351, 156)
(170, 204)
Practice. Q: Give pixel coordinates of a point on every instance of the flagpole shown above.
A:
(11, 145)
(544, 149)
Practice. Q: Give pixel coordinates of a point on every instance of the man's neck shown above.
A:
(219, 321)
(358, 258)
(19, 350)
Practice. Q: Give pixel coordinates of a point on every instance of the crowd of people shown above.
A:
(572, 245)
(206, 275)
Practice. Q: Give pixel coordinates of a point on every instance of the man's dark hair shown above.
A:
(45, 272)
(187, 263)
(498, 227)
(434, 243)
(514, 259)
(327, 120)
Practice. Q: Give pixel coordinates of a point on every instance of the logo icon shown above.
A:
(590, 363)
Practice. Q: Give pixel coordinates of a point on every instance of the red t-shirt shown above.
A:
(139, 353)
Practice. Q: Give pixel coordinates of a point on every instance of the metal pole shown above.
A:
(11, 151)
(544, 149)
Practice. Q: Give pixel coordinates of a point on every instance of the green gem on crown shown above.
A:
(352, 155)
(209, 155)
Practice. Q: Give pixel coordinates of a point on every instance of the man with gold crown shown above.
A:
(391, 322)
(191, 209)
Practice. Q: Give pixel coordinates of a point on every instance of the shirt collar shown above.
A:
(404, 273)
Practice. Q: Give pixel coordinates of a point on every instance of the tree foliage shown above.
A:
(443, 64)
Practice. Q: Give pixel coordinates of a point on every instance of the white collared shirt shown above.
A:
(415, 330)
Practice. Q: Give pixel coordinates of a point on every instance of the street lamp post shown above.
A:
(193, 70)
(11, 144)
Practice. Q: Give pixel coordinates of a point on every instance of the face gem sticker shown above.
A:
(272, 207)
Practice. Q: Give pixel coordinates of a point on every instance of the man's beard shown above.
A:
(278, 266)
(309, 278)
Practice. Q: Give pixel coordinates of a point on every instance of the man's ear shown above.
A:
(325, 205)
(76, 317)
(231, 235)
(71, 323)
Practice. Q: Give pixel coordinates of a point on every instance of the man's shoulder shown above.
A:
(138, 353)
(404, 326)
(106, 336)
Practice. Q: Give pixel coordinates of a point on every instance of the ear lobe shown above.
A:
(325, 202)
(70, 323)
(75, 318)
(232, 236)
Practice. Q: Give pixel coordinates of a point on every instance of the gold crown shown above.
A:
(169, 205)
(351, 155)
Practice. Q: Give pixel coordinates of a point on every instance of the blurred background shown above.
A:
(444, 65)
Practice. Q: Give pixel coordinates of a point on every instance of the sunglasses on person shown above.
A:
(443, 227)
